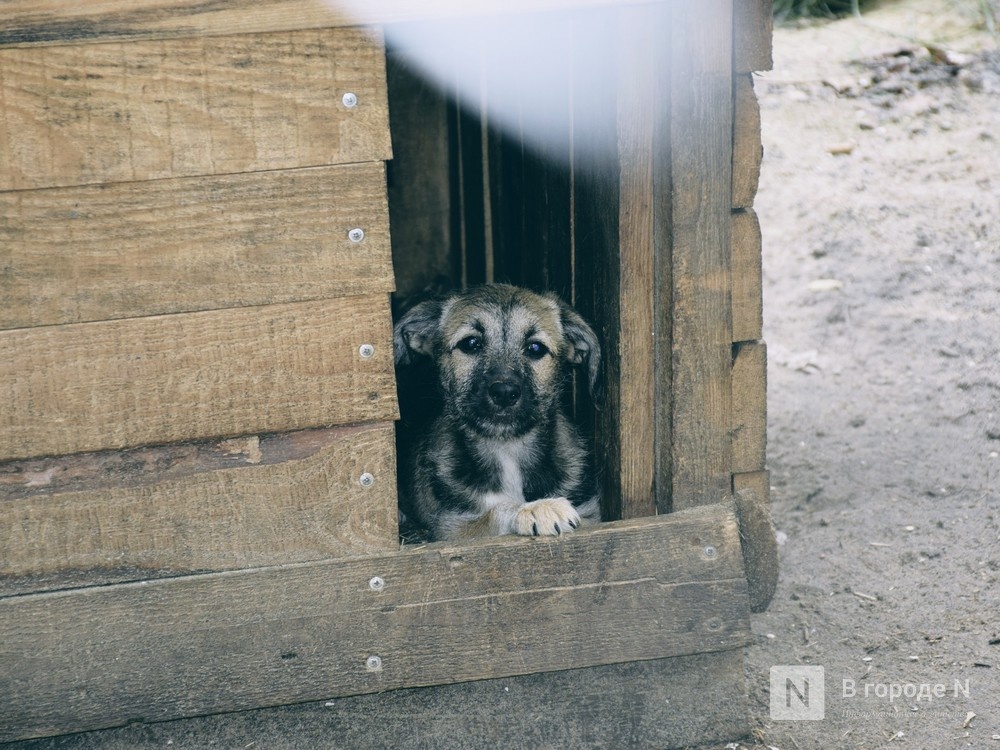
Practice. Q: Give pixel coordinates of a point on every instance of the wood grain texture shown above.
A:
(643, 153)
(104, 656)
(748, 302)
(101, 113)
(35, 22)
(701, 187)
(238, 503)
(660, 703)
(753, 27)
(749, 406)
(126, 250)
(752, 495)
(118, 384)
(747, 149)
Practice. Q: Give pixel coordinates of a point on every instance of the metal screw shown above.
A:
(373, 663)
(367, 480)
(710, 552)
(367, 351)
(350, 100)
(377, 583)
(356, 235)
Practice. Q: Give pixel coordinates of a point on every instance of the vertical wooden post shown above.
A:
(694, 406)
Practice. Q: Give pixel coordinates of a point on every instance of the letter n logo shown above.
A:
(798, 693)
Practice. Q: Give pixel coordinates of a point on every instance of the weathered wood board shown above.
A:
(97, 113)
(747, 149)
(103, 656)
(34, 22)
(753, 27)
(749, 407)
(170, 378)
(164, 511)
(696, 424)
(748, 301)
(204, 243)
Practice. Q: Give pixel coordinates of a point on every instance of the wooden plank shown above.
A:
(753, 27)
(103, 656)
(117, 384)
(748, 303)
(699, 359)
(36, 22)
(752, 494)
(643, 153)
(98, 113)
(747, 149)
(157, 512)
(749, 406)
(660, 703)
(132, 249)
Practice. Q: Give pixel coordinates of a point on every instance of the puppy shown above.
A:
(496, 455)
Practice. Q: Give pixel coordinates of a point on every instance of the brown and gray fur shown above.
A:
(496, 455)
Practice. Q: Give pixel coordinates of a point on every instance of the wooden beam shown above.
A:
(97, 113)
(168, 510)
(693, 428)
(749, 428)
(170, 378)
(753, 26)
(748, 303)
(98, 657)
(752, 495)
(747, 149)
(132, 249)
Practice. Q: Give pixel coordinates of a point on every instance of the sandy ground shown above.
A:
(880, 207)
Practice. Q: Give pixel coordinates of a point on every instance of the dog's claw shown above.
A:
(551, 516)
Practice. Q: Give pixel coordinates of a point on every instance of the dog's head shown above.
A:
(502, 354)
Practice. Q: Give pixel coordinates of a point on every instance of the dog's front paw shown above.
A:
(547, 517)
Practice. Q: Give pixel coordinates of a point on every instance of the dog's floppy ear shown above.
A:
(414, 333)
(584, 347)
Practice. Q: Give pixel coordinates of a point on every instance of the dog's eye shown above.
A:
(470, 345)
(536, 350)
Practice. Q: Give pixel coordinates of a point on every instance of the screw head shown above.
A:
(356, 235)
(366, 480)
(377, 583)
(710, 552)
(367, 351)
(350, 100)
(373, 663)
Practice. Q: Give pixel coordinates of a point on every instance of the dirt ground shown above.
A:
(880, 208)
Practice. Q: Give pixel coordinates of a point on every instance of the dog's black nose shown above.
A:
(504, 393)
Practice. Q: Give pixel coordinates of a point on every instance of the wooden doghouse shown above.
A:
(197, 468)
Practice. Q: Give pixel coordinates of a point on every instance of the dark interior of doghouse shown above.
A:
(472, 203)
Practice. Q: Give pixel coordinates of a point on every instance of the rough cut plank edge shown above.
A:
(199, 243)
(753, 28)
(752, 494)
(106, 113)
(648, 589)
(50, 22)
(174, 510)
(193, 376)
(747, 149)
(748, 303)
(749, 382)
